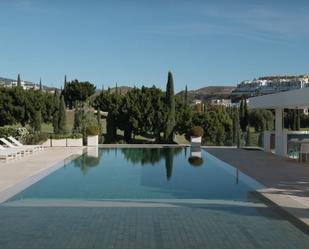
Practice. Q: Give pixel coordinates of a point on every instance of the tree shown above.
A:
(65, 80)
(243, 115)
(186, 94)
(77, 92)
(61, 116)
(248, 137)
(41, 85)
(170, 104)
(18, 80)
(37, 121)
(55, 121)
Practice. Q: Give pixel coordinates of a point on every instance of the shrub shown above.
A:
(36, 138)
(92, 130)
(66, 136)
(195, 161)
(196, 131)
(18, 133)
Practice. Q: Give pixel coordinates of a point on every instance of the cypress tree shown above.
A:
(37, 120)
(294, 125)
(18, 80)
(62, 116)
(65, 80)
(248, 138)
(170, 103)
(41, 85)
(237, 129)
(56, 112)
(246, 114)
(186, 95)
(298, 120)
(235, 125)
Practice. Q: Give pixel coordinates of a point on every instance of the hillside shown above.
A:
(209, 92)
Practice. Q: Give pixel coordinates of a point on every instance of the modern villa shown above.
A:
(130, 125)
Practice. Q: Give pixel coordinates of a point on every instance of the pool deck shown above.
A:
(16, 175)
(286, 181)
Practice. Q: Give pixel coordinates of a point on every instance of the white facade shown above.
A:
(267, 85)
(297, 99)
(222, 102)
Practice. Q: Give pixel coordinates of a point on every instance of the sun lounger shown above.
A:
(19, 144)
(24, 151)
(8, 153)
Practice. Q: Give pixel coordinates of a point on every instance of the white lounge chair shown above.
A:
(7, 153)
(24, 151)
(20, 145)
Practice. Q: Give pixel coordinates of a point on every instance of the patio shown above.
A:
(286, 181)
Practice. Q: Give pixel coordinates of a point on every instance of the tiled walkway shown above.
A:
(182, 227)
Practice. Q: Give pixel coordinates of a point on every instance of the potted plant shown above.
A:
(92, 132)
(196, 133)
(75, 140)
(58, 140)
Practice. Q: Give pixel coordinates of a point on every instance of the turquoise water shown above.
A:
(143, 173)
(145, 199)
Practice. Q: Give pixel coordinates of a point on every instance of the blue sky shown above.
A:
(137, 42)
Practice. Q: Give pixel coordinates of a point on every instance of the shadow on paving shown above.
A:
(286, 175)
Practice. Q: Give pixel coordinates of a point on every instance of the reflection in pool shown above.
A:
(151, 173)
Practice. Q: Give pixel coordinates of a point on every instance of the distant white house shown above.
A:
(271, 84)
(222, 102)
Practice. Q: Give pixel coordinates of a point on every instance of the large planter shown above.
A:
(74, 142)
(196, 141)
(93, 140)
(47, 143)
(59, 143)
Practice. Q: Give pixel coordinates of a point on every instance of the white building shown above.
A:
(272, 84)
(222, 102)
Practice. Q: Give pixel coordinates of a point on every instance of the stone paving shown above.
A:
(286, 180)
(16, 175)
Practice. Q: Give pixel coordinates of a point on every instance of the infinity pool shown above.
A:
(145, 198)
(144, 174)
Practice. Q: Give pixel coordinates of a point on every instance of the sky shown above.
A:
(137, 42)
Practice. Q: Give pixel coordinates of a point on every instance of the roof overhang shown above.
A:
(295, 99)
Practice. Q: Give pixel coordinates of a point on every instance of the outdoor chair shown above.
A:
(20, 145)
(7, 153)
(24, 151)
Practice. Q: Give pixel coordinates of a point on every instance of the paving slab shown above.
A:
(286, 181)
(18, 174)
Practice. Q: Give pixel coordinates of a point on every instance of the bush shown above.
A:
(36, 138)
(66, 136)
(93, 130)
(18, 133)
(196, 131)
(195, 161)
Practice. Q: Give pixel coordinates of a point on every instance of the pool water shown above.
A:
(143, 174)
(145, 198)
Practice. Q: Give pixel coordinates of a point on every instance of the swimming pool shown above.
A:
(145, 198)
